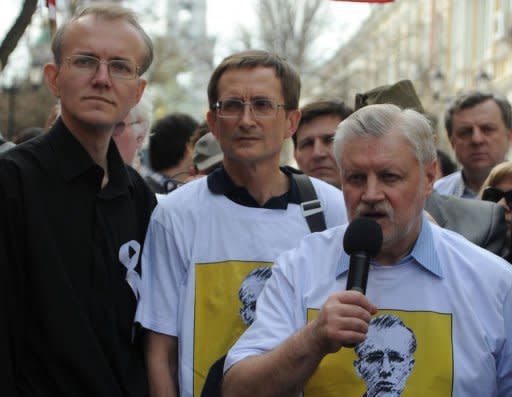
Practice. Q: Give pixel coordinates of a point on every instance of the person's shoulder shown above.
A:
(191, 195)
(326, 189)
(442, 185)
(465, 252)
(26, 154)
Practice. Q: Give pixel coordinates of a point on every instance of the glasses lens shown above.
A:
(122, 69)
(492, 194)
(84, 62)
(263, 107)
(231, 108)
(118, 68)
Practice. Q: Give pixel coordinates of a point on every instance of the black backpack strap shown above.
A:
(310, 205)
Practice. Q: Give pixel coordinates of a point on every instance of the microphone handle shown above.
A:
(358, 272)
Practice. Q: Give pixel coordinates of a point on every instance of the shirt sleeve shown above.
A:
(163, 270)
(504, 361)
(276, 315)
(11, 268)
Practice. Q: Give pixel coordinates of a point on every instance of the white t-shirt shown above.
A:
(198, 250)
(454, 296)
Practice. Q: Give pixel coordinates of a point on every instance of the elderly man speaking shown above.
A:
(453, 295)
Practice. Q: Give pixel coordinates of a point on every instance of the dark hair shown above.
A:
(290, 79)
(201, 130)
(470, 99)
(317, 109)
(168, 140)
(448, 166)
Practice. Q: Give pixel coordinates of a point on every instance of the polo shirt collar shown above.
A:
(73, 160)
(219, 182)
(423, 253)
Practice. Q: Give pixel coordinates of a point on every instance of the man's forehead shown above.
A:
(80, 36)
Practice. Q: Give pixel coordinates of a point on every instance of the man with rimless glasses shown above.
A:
(205, 237)
(73, 223)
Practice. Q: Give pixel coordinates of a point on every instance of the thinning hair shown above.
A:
(287, 75)
(107, 11)
(473, 98)
(376, 121)
(143, 112)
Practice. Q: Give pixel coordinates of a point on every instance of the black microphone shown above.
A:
(362, 241)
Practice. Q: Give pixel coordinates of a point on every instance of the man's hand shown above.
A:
(343, 321)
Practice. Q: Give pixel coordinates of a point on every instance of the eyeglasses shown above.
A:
(123, 69)
(494, 194)
(260, 107)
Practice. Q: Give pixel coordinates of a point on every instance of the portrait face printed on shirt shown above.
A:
(386, 357)
(249, 291)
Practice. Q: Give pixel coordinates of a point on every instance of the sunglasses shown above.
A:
(494, 194)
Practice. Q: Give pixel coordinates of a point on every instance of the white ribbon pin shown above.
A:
(130, 262)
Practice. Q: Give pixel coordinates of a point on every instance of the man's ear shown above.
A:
(140, 90)
(430, 173)
(293, 118)
(51, 72)
(211, 119)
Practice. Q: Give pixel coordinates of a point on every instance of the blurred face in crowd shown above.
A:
(94, 99)
(313, 151)
(505, 185)
(480, 138)
(382, 179)
(128, 136)
(248, 138)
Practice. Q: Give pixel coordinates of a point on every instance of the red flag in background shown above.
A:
(52, 15)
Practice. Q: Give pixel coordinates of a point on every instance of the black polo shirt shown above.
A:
(219, 182)
(67, 306)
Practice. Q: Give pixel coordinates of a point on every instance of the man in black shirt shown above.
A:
(73, 222)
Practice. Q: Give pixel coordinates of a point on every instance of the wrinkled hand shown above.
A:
(343, 321)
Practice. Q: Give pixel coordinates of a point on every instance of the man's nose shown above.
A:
(373, 190)
(386, 368)
(319, 148)
(477, 136)
(247, 117)
(102, 75)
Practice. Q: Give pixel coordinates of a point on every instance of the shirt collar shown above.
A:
(73, 160)
(219, 182)
(462, 190)
(423, 253)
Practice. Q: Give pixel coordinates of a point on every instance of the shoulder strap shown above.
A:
(310, 205)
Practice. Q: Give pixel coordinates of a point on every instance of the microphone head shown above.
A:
(363, 235)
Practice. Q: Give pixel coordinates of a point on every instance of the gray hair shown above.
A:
(376, 121)
(108, 11)
(143, 111)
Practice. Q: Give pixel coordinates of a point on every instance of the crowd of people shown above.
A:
(200, 265)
